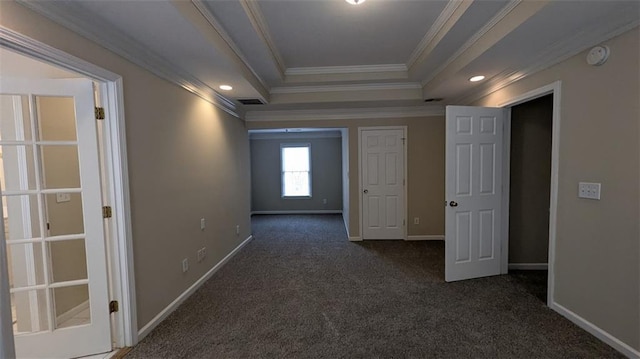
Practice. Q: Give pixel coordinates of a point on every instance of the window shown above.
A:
(296, 170)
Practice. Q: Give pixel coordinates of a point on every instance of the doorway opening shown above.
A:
(531, 125)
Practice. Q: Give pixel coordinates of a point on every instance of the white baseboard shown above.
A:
(528, 266)
(314, 211)
(72, 312)
(187, 293)
(596, 331)
(426, 237)
(355, 239)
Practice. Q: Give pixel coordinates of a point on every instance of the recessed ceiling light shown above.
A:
(476, 78)
(226, 87)
(355, 2)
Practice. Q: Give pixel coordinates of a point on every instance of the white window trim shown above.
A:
(286, 145)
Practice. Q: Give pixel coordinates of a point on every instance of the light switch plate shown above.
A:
(589, 190)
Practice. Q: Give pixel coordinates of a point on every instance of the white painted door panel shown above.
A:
(474, 137)
(55, 234)
(382, 154)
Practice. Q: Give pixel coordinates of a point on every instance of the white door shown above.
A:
(382, 156)
(51, 196)
(474, 137)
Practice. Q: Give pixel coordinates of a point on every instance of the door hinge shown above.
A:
(113, 306)
(106, 212)
(404, 222)
(99, 113)
(403, 140)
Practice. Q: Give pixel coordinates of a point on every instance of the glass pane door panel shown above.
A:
(29, 311)
(68, 260)
(56, 118)
(18, 168)
(72, 306)
(26, 266)
(64, 213)
(22, 218)
(60, 167)
(14, 118)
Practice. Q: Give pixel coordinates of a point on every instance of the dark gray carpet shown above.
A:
(301, 290)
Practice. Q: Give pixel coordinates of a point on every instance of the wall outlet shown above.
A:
(201, 253)
(237, 230)
(203, 224)
(185, 265)
(589, 190)
(324, 201)
(416, 220)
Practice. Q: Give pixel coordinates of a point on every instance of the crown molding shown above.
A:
(346, 88)
(474, 39)
(252, 9)
(345, 114)
(557, 53)
(449, 16)
(118, 42)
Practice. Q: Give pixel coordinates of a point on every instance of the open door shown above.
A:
(54, 227)
(474, 138)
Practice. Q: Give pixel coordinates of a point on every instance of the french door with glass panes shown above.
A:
(52, 211)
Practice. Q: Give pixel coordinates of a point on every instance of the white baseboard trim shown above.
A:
(528, 266)
(187, 293)
(426, 237)
(596, 331)
(72, 312)
(355, 239)
(314, 211)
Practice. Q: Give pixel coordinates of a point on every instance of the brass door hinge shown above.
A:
(106, 212)
(113, 306)
(99, 113)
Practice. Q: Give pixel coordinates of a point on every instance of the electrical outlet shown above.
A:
(237, 230)
(589, 190)
(324, 201)
(203, 253)
(185, 265)
(202, 224)
(416, 220)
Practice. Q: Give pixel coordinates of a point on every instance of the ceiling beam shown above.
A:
(197, 15)
(443, 24)
(506, 21)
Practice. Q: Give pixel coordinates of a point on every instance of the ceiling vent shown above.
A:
(251, 101)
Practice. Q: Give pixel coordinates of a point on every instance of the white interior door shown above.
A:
(382, 156)
(474, 137)
(52, 208)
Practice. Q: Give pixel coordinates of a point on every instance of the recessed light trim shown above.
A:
(355, 2)
(476, 78)
(226, 88)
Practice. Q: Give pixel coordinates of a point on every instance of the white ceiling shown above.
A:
(306, 55)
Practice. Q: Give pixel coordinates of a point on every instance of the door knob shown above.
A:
(453, 204)
(366, 191)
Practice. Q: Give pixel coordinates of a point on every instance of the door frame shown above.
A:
(406, 181)
(555, 89)
(119, 245)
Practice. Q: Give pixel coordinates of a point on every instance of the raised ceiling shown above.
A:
(327, 55)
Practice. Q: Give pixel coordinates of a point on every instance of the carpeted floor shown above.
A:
(301, 290)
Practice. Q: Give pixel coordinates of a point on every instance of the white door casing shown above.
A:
(382, 155)
(473, 188)
(94, 336)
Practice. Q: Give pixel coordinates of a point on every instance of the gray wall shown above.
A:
(530, 182)
(326, 174)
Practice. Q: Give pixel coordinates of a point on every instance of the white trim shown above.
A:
(7, 346)
(345, 114)
(406, 179)
(347, 88)
(426, 237)
(528, 266)
(339, 70)
(60, 319)
(355, 239)
(302, 211)
(596, 331)
(122, 44)
(187, 293)
(554, 88)
(506, 188)
(122, 274)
